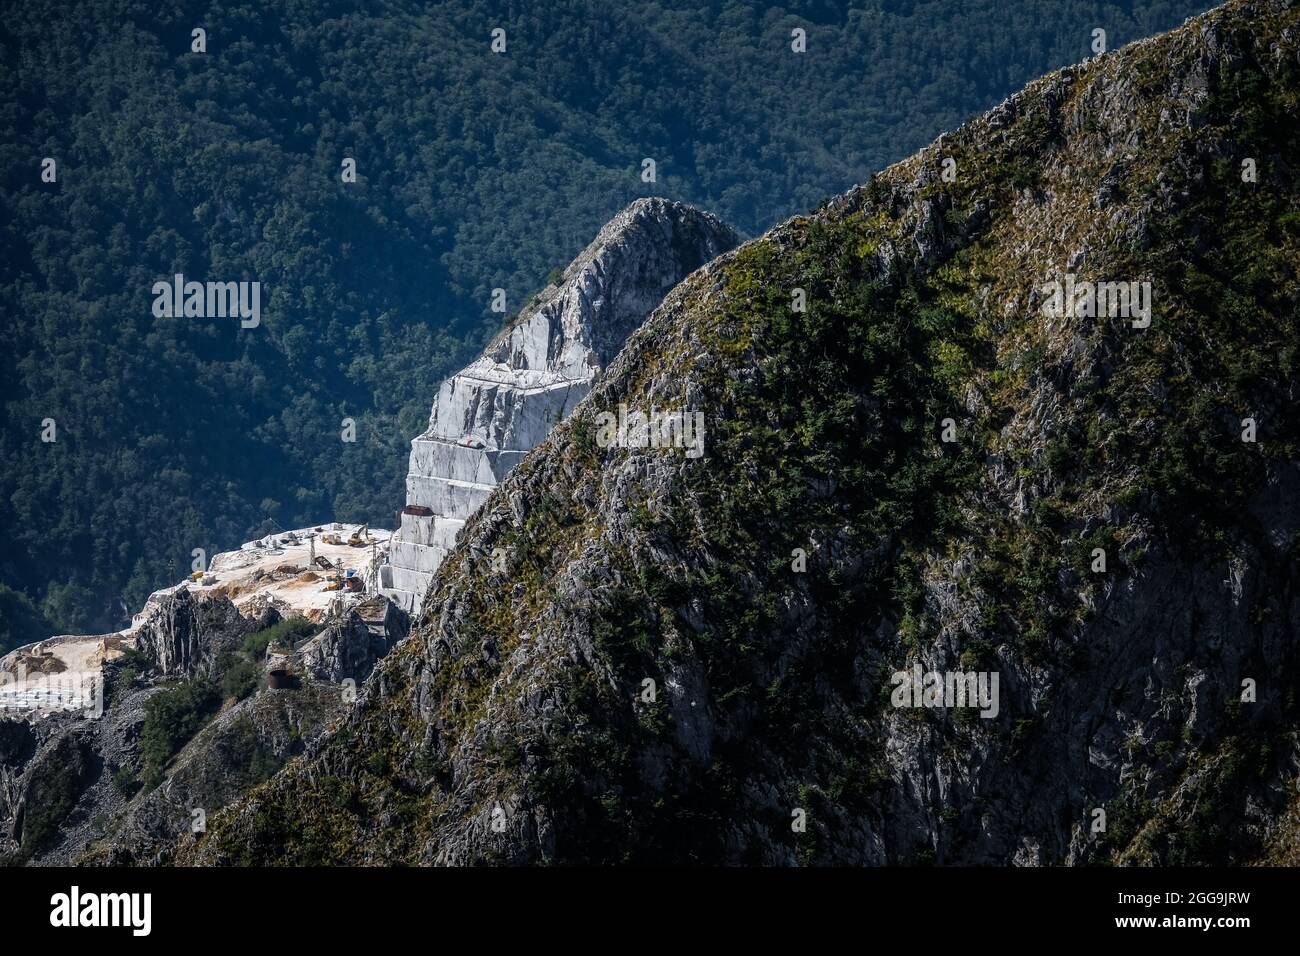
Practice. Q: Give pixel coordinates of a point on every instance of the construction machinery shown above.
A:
(358, 539)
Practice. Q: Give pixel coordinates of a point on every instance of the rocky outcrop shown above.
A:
(182, 635)
(17, 746)
(74, 787)
(535, 373)
(57, 788)
(80, 778)
(60, 773)
(350, 645)
(242, 747)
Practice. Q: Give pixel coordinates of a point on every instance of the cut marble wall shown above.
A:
(532, 376)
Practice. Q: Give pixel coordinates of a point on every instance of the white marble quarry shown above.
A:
(451, 498)
(64, 673)
(532, 376)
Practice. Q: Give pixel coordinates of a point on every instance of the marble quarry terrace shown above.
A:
(504, 403)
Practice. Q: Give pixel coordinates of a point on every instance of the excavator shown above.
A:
(358, 539)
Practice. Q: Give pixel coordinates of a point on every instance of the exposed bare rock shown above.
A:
(533, 375)
(178, 636)
(351, 644)
(242, 747)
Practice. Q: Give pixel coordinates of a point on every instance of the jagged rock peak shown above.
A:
(177, 634)
(575, 328)
(534, 373)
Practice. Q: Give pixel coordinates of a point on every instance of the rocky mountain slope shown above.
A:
(89, 783)
(535, 372)
(692, 659)
(110, 744)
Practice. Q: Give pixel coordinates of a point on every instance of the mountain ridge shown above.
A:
(474, 171)
(535, 371)
(514, 725)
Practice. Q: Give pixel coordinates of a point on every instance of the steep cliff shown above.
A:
(930, 466)
(184, 635)
(535, 372)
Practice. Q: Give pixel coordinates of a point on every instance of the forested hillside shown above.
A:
(475, 170)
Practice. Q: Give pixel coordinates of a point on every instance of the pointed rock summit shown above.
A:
(535, 372)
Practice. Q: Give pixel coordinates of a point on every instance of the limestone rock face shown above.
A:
(350, 646)
(70, 786)
(242, 746)
(17, 745)
(183, 635)
(533, 375)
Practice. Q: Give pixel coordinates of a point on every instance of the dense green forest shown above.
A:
(475, 170)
